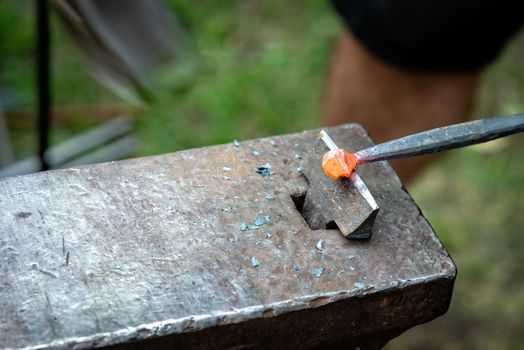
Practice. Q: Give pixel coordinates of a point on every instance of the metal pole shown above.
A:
(43, 80)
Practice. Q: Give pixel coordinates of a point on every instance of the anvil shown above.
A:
(205, 248)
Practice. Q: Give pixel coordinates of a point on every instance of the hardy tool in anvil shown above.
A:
(347, 202)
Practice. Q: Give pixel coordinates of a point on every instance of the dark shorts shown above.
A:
(433, 35)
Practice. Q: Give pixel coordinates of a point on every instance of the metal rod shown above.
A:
(328, 140)
(363, 190)
(442, 139)
(43, 82)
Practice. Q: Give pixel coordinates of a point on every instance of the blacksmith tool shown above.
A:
(346, 204)
(443, 139)
(357, 220)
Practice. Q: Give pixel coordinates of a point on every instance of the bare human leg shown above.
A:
(391, 102)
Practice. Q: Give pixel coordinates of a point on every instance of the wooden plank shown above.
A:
(116, 150)
(72, 151)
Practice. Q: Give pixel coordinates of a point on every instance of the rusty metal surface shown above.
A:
(198, 249)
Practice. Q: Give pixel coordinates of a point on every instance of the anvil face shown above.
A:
(205, 249)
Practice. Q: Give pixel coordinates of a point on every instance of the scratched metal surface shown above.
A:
(153, 246)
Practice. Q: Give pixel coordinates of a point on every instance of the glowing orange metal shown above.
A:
(338, 163)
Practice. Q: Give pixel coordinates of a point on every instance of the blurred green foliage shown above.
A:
(256, 68)
(474, 199)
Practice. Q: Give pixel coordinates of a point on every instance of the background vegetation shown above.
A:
(258, 68)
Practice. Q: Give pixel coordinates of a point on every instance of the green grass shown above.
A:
(475, 203)
(252, 74)
(257, 68)
(474, 198)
